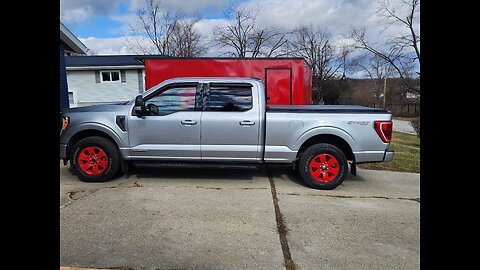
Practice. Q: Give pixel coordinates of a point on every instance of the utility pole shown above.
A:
(385, 93)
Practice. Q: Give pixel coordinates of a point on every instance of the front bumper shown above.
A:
(389, 153)
(63, 151)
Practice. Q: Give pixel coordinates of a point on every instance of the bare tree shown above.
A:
(186, 41)
(168, 32)
(314, 45)
(244, 38)
(377, 70)
(396, 50)
(345, 51)
(409, 20)
(374, 66)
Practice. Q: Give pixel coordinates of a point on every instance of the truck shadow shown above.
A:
(277, 172)
(195, 173)
(283, 172)
(286, 173)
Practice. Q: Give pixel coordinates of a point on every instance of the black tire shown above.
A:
(111, 155)
(328, 150)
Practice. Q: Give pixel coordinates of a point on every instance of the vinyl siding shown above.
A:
(63, 79)
(89, 92)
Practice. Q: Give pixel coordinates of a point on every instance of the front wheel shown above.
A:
(95, 159)
(323, 166)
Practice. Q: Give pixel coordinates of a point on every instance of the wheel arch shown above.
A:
(335, 140)
(87, 133)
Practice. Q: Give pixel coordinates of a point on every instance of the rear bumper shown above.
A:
(63, 151)
(374, 156)
(389, 153)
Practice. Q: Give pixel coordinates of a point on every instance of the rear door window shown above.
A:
(229, 97)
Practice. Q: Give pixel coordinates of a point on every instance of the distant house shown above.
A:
(69, 45)
(104, 78)
(412, 95)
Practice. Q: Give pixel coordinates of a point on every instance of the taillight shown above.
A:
(384, 130)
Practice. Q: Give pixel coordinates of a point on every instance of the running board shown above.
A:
(194, 165)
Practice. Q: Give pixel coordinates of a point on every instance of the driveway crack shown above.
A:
(281, 228)
(353, 197)
(74, 195)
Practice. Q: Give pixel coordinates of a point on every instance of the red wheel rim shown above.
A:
(93, 160)
(324, 168)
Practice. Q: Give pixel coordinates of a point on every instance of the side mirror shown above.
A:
(139, 105)
(152, 109)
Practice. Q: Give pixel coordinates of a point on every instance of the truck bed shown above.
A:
(288, 127)
(324, 109)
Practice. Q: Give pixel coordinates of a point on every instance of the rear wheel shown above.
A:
(323, 166)
(95, 159)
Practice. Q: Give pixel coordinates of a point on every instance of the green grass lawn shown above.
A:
(407, 155)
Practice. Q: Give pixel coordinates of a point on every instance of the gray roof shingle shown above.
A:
(106, 60)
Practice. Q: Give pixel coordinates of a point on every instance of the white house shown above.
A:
(104, 78)
(69, 45)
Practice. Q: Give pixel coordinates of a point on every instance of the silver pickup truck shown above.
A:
(205, 121)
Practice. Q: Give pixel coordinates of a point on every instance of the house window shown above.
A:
(110, 76)
(70, 98)
(411, 95)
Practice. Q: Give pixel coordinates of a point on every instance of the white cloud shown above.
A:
(187, 6)
(74, 11)
(205, 27)
(337, 16)
(76, 15)
(136, 4)
(105, 46)
(125, 21)
(190, 6)
(120, 45)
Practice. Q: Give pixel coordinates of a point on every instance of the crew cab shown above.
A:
(205, 121)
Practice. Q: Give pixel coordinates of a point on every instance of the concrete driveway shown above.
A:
(403, 126)
(239, 219)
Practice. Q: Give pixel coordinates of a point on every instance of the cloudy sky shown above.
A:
(103, 24)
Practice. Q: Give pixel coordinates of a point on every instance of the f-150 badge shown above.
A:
(363, 123)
